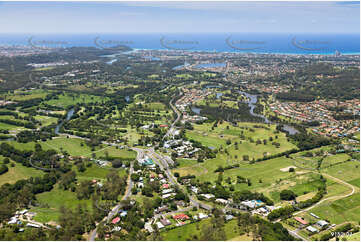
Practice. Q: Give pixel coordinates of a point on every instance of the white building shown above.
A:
(159, 225)
(322, 223)
(202, 216)
(148, 227)
(312, 229)
(208, 196)
(222, 201)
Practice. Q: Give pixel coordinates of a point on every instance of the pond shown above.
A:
(196, 110)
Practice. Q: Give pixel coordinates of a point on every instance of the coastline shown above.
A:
(251, 53)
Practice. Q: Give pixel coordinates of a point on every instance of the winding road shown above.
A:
(333, 197)
(294, 232)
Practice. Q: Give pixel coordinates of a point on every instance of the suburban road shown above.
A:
(171, 128)
(163, 164)
(115, 210)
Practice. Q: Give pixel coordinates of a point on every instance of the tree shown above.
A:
(287, 195)
(6, 161)
(117, 163)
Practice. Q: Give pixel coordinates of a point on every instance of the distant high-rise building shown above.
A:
(337, 53)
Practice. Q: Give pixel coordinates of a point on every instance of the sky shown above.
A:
(179, 17)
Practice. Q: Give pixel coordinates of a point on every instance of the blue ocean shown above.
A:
(282, 43)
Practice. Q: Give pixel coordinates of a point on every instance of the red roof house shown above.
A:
(301, 220)
(116, 220)
(181, 216)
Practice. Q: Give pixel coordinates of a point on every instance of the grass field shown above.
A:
(355, 182)
(5, 126)
(67, 100)
(26, 95)
(331, 160)
(17, 173)
(353, 237)
(46, 120)
(50, 203)
(190, 230)
(339, 211)
(268, 172)
(73, 147)
(96, 172)
(217, 138)
(348, 171)
(21, 146)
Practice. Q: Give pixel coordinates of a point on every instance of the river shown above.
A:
(252, 100)
(68, 117)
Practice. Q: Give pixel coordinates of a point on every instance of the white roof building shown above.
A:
(165, 196)
(33, 225)
(312, 229)
(207, 196)
(159, 225)
(194, 189)
(202, 215)
(223, 201)
(165, 191)
(148, 227)
(322, 223)
(13, 220)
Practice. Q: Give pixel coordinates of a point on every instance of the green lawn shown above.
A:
(46, 120)
(50, 203)
(23, 96)
(67, 100)
(268, 172)
(190, 230)
(96, 172)
(353, 237)
(74, 147)
(217, 138)
(21, 146)
(186, 162)
(18, 172)
(355, 182)
(330, 160)
(348, 171)
(339, 211)
(5, 126)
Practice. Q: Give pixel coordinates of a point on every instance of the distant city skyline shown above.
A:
(179, 17)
